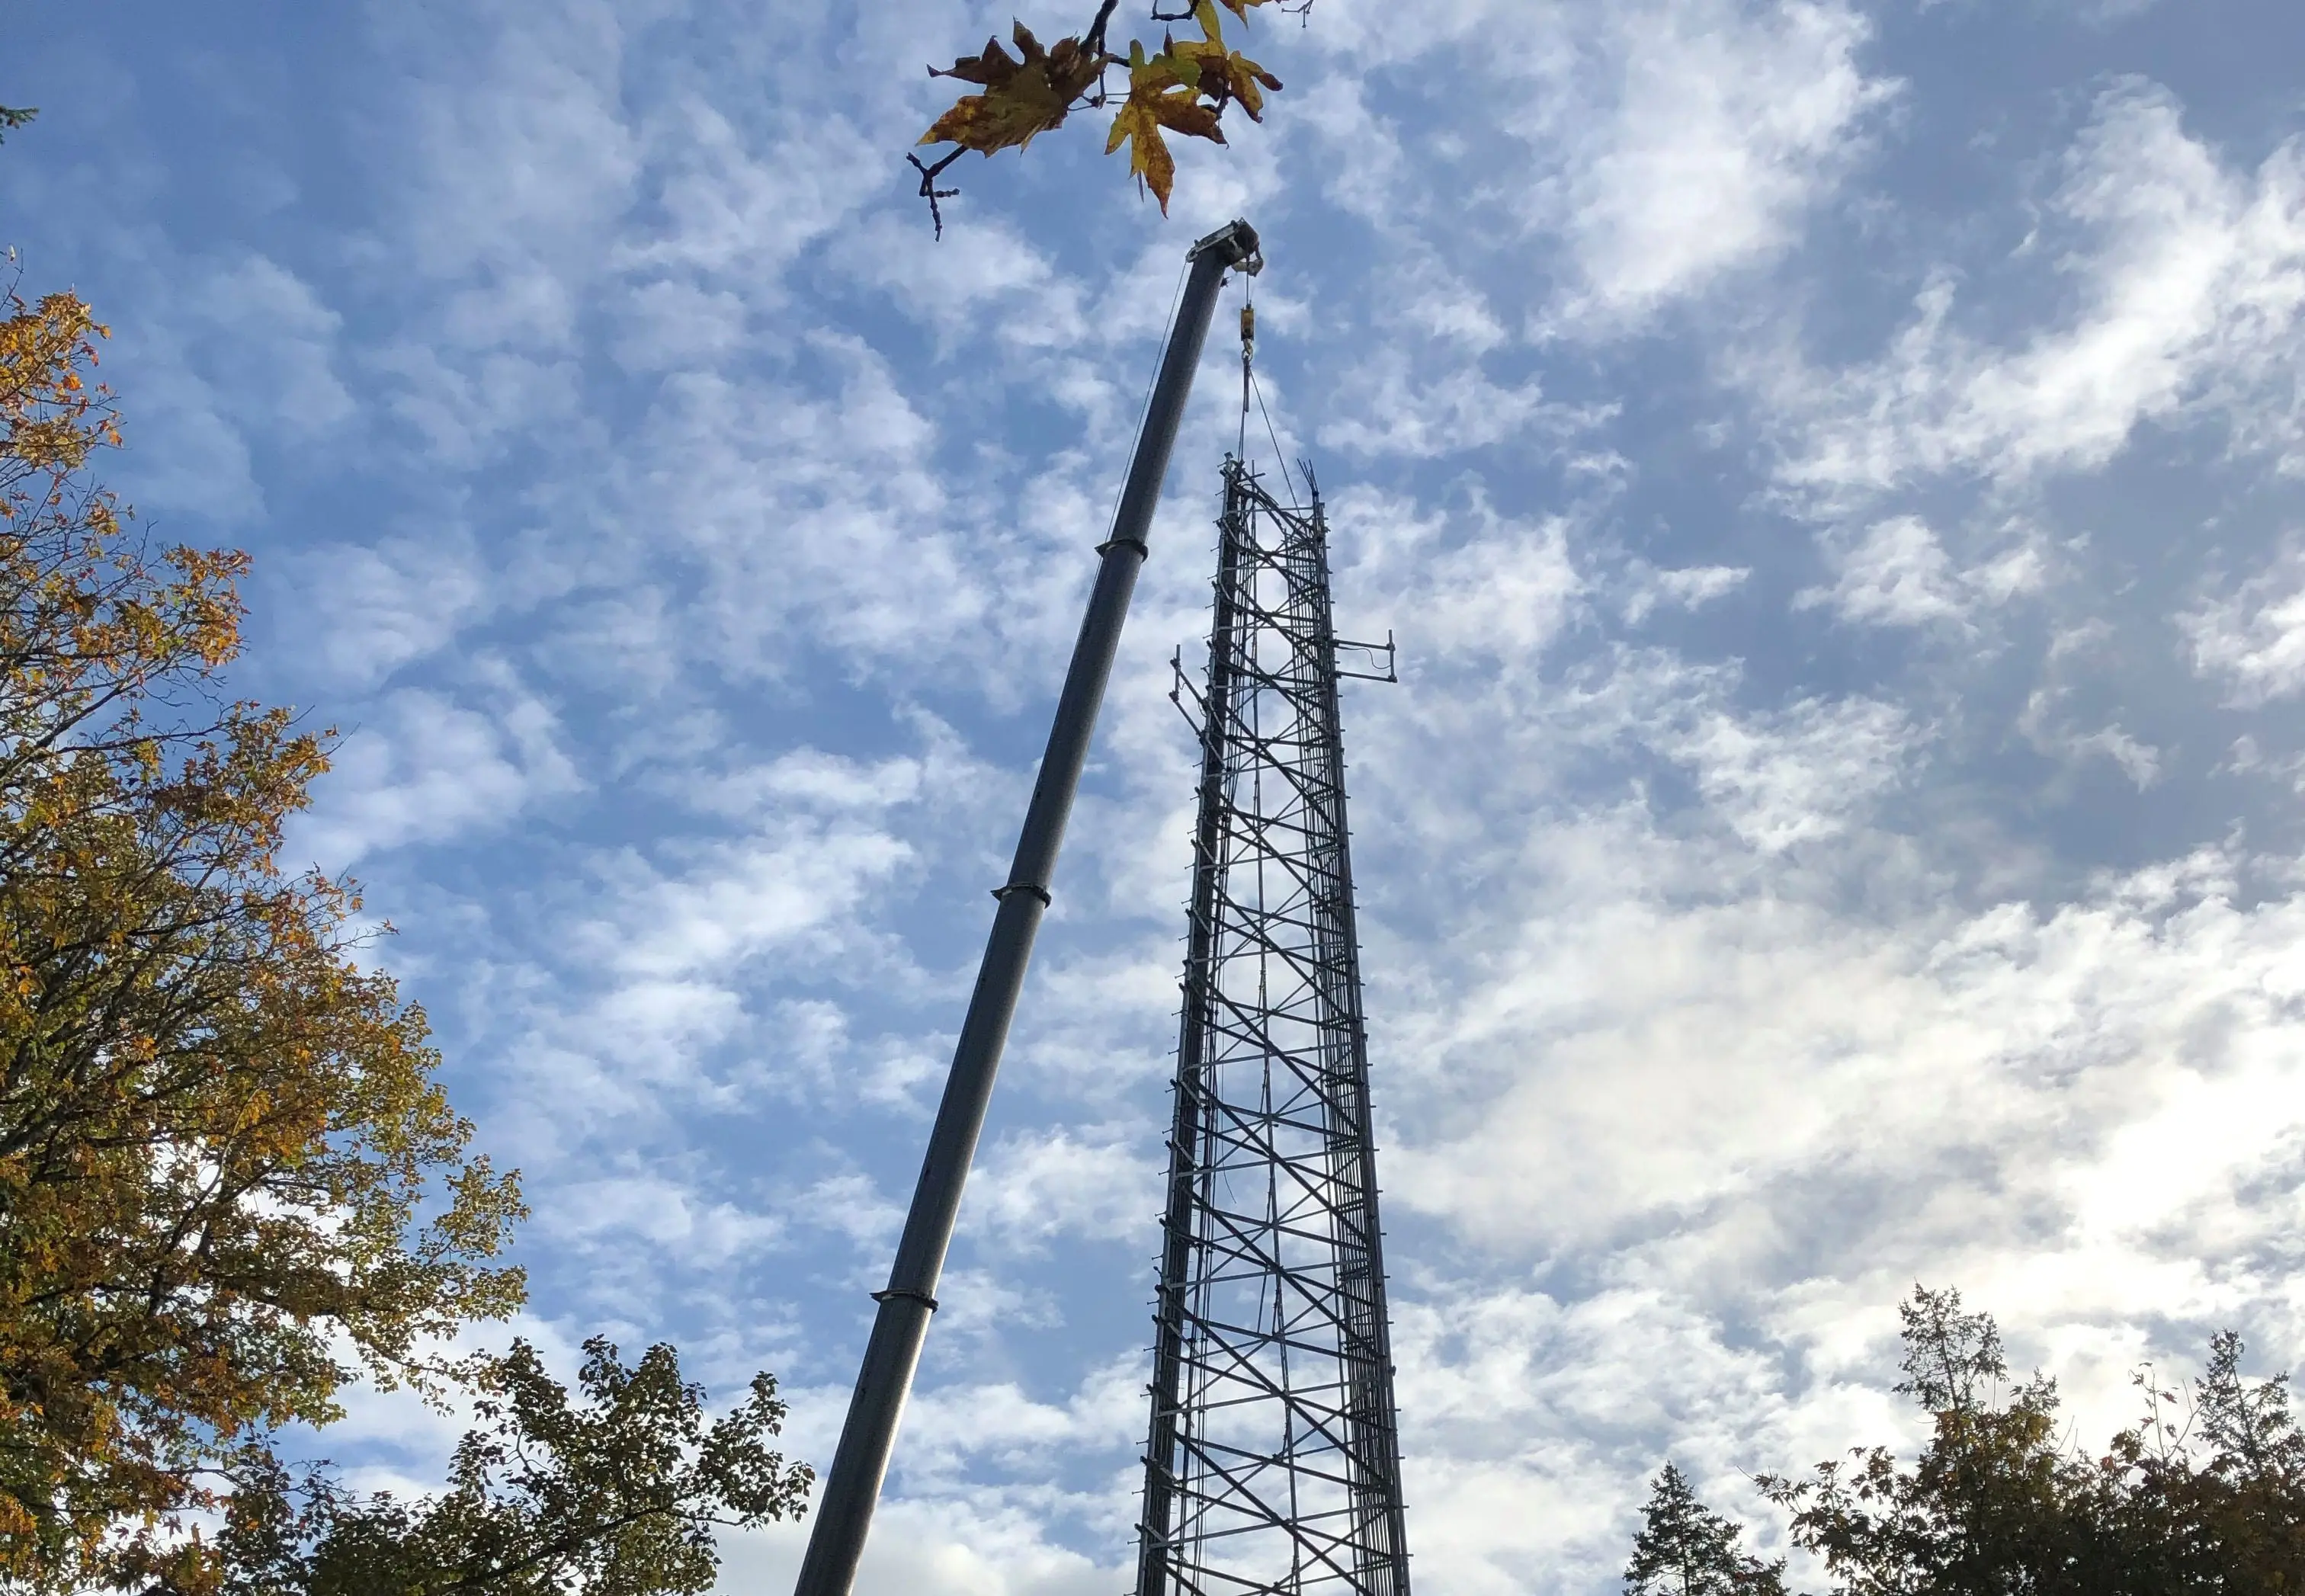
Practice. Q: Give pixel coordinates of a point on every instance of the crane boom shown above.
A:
(844, 1514)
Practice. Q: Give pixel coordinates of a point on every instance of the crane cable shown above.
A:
(1250, 386)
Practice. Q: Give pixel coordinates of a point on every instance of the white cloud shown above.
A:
(1779, 1115)
(1691, 586)
(1510, 1397)
(968, 1548)
(1030, 1188)
(735, 211)
(1462, 409)
(429, 769)
(2253, 638)
(1898, 574)
(1733, 120)
(851, 1205)
(733, 901)
(806, 509)
(971, 1503)
(522, 160)
(270, 343)
(467, 412)
(223, 355)
(1664, 145)
(2186, 280)
(811, 776)
(1806, 773)
(2137, 761)
(367, 609)
(644, 1206)
(977, 267)
(1469, 584)
(709, 973)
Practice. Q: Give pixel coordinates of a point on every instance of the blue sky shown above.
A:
(1835, 473)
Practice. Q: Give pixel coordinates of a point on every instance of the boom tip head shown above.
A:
(1237, 243)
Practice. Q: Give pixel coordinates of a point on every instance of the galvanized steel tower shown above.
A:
(1273, 1465)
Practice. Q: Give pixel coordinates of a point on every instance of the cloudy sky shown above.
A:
(1833, 467)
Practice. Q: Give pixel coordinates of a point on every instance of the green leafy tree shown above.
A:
(618, 1495)
(2207, 1495)
(1685, 1549)
(2204, 1496)
(1989, 1508)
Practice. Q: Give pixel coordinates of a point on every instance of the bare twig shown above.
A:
(930, 192)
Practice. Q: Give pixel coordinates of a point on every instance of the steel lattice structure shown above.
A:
(1273, 1462)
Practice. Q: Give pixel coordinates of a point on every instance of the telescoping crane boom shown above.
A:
(844, 1514)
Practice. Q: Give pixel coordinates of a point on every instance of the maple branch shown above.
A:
(1093, 40)
(1181, 90)
(1093, 43)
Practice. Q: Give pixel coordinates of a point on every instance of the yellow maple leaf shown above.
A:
(1162, 95)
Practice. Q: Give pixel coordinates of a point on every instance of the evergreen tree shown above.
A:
(1685, 1549)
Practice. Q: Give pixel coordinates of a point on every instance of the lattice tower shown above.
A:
(1273, 1462)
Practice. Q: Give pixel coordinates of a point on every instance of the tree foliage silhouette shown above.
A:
(1685, 1549)
(618, 1495)
(2204, 1495)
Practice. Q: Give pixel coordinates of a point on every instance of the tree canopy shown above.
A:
(2204, 1495)
(1685, 1549)
(618, 1496)
(229, 1181)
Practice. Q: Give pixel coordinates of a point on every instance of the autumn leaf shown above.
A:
(1163, 94)
(992, 68)
(1149, 158)
(1023, 97)
(1226, 74)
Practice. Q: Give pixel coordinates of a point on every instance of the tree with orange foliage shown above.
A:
(229, 1181)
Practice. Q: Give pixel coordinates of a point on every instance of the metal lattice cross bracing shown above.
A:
(1273, 1460)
